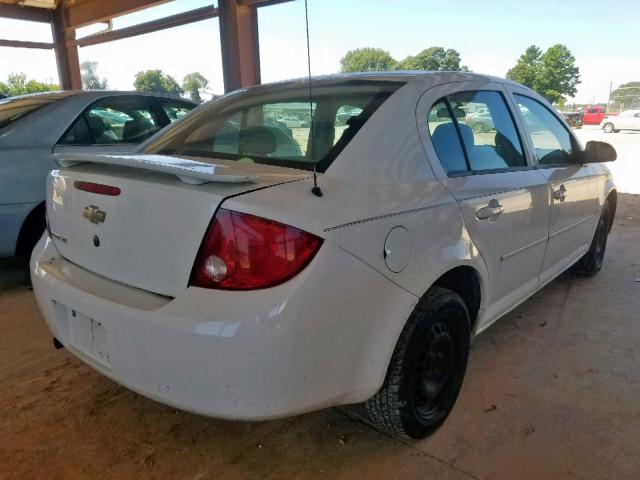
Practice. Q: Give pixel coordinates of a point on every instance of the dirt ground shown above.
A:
(552, 391)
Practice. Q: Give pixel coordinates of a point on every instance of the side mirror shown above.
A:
(598, 152)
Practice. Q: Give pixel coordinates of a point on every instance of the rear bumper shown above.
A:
(322, 339)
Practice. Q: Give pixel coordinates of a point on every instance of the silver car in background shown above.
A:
(627, 120)
(35, 127)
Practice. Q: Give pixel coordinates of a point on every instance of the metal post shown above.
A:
(66, 51)
(239, 44)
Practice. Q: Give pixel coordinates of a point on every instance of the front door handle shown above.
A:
(490, 211)
(561, 193)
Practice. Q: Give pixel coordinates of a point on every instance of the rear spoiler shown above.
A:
(188, 171)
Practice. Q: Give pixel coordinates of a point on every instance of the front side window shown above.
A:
(552, 142)
(474, 132)
(113, 122)
(175, 111)
(283, 128)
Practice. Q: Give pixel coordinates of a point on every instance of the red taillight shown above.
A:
(97, 188)
(245, 252)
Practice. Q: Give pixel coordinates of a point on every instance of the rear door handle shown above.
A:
(490, 211)
(561, 193)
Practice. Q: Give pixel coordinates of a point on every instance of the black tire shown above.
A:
(427, 367)
(592, 261)
(608, 128)
(31, 231)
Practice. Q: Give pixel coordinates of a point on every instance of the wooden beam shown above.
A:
(66, 51)
(20, 44)
(260, 3)
(20, 12)
(94, 11)
(191, 16)
(239, 44)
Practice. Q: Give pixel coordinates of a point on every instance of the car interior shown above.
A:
(492, 150)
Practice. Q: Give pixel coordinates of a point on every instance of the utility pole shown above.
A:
(610, 89)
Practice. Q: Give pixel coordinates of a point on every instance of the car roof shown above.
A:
(89, 95)
(427, 78)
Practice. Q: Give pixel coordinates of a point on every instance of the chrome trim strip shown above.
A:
(573, 225)
(492, 194)
(522, 249)
(388, 215)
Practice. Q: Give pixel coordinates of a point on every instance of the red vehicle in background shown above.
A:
(594, 114)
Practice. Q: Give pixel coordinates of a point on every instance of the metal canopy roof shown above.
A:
(238, 31)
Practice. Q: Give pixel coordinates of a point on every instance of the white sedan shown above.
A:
(627, 120)
(214, 274)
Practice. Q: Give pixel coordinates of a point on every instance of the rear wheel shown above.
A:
(608, 128)
(592, 261)
(426, 369)
(31, 231)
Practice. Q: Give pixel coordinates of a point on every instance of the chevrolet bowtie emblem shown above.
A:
(94, 214)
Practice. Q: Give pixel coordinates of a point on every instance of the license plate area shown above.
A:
(85, 334)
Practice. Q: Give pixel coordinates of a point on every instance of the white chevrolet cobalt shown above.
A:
(215, 272)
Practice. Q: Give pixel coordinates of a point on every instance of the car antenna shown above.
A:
(316, 189)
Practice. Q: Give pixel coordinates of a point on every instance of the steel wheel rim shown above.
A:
(434, 369)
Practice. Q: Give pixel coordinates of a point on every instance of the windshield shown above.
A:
(13, 109)
(278, 128)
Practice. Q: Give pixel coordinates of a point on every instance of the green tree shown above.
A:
(434, 59)
(626, 96)
(553, 74)
(90, 78)
(157, 82)
(367, 60)
(18, 84)
(193, 84)
(527, 68)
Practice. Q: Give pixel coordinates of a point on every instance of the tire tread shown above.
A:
(384, 407)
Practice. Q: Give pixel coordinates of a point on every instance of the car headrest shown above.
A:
(258, 141)
(509, 153)
(446, 132)
(467, 135)
(134, 129)
(96, 124)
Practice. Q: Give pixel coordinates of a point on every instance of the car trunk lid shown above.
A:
(148, 234)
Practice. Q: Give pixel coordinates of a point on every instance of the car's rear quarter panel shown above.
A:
(381, 180)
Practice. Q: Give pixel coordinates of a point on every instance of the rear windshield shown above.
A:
(13, 109)
(286, 128)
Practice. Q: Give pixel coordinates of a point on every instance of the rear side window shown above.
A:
(112, 122)
(445, 139)
(479, 124)
(552, 142)
(282, 128)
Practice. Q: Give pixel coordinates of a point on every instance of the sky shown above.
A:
(490, 36)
